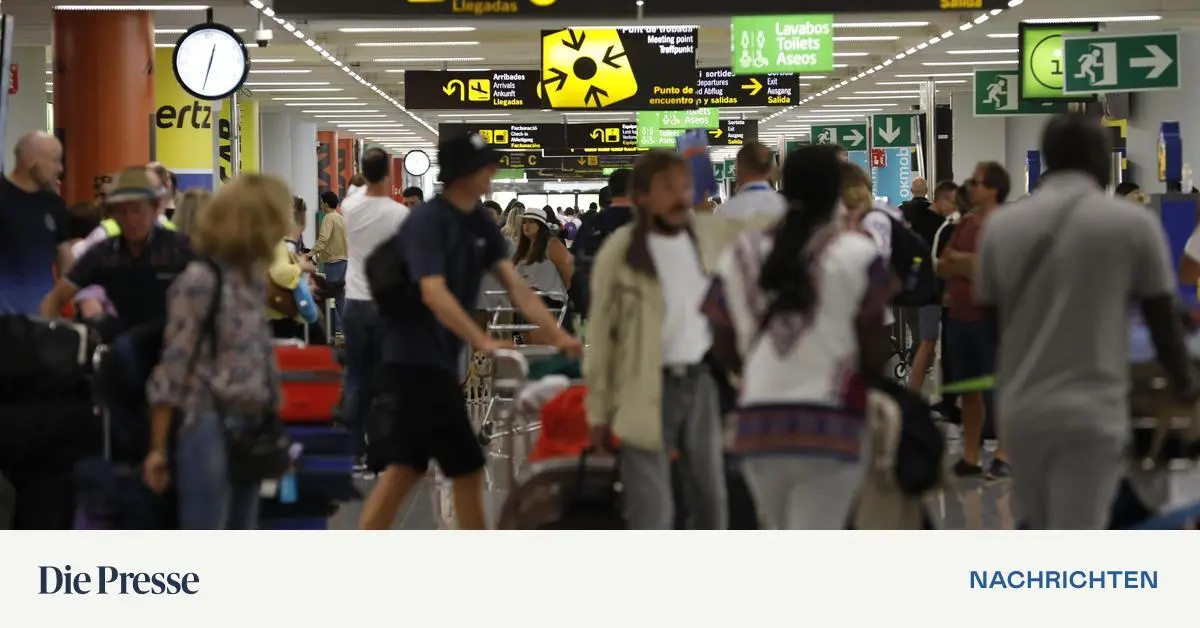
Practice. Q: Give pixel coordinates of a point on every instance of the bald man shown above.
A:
(33, 224)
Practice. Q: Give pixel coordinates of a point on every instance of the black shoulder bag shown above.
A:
(257, 446)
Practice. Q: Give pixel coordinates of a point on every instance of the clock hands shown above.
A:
(210, 62)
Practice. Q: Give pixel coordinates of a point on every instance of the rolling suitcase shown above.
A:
(311, 379)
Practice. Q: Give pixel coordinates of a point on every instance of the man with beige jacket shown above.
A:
(648, 382)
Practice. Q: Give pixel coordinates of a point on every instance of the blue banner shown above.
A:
(894, 179)
(861, 159)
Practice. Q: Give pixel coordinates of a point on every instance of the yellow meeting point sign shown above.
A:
(586, 69)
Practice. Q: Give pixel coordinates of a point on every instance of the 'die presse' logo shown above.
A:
(112, 581)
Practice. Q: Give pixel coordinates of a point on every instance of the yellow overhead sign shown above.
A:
(586, 69)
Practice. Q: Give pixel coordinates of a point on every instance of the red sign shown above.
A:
(14, 82)
(878, 158)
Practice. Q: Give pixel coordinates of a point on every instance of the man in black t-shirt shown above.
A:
(136, 267)
(419, 413)
(593, 231)
(33, 225)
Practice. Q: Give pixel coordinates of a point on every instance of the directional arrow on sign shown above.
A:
(754, 86)
(716, 133)
(888, 131)
(854, 138)
(1158, 61)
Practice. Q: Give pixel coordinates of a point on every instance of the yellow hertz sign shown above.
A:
(586, 69)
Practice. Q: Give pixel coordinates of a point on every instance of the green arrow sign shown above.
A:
(1101, 63)
(782, 43)
(892, 130)
(997, 94)
(848, 136)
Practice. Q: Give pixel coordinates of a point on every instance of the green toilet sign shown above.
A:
(1099, 63)
(782, 43)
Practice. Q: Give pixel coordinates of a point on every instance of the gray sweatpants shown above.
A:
(1064, 479)
(691, 423)
(802, 492)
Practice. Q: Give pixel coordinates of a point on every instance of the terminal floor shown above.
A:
(970, 504)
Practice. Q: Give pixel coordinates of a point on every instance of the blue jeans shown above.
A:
(208, 499)
(336, 272)
(363, 359)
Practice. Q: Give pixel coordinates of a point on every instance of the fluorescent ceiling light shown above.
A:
(429, 60)
(1012, 4)
(876, 97)
(936, 75)
(299, 89)
(841, 65)
(346, 122)
(811, 77)
(879, 24)
(286, 83)
(131, 7)
(1002, 35)
(1102, 20)
(889, 91)
(280, 71)
(474, 115)
(323, 98)
(849, 111)
(164, 45)
(413, 44)
(990, 62)
(896, 83)
(180, 31)
(867, 38)
(985, 51)
(851, 54)
(478, 70)
(358, 113)
(409, 29)
(873, 104)
(254, 60)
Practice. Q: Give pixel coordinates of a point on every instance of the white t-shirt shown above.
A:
(369, 220)
(686, 336)
(754, 200)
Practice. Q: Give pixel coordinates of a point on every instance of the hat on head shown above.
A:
(534, 214)
(133, 184)
(463, 156)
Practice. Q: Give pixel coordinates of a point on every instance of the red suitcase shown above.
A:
(312, 383)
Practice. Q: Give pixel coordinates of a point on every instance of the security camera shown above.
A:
(263, 37)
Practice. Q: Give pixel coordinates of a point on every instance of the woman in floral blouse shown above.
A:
(211, 377)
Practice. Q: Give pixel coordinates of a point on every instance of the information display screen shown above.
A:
(559, 9)
(718, 87)
(530, 137)
(499, 90)
(624, 69)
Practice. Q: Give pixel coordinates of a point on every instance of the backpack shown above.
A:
(396, 295)
(912, 263)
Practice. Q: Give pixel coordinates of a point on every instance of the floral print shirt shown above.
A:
(241, 373)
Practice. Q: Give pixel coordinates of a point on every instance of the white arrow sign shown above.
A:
(855, 138)
(889, 132)
(1158, 61)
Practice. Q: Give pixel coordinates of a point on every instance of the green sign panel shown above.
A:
(782, 43)
(658, 129)
(893, 130)
(1042, 66)
(719, 170)
(1099, 63)
(997, 94)
(731, 169)
(848, 136)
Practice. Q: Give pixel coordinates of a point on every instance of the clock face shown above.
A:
(416, 163)
(211, 62)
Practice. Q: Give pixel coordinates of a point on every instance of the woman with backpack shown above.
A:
(217, 378)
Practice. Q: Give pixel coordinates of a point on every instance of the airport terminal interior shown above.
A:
(917, 92)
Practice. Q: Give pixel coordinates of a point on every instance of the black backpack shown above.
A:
(396, 295)
(912, 263)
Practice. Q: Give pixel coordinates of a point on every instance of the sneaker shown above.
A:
(964, 469)
(999, 470)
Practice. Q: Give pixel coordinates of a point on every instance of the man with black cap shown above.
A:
(137, 265)
(419, 413)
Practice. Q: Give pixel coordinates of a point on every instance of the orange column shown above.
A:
(346, 161)
(327, 162)
(398, 179)
(103, 94)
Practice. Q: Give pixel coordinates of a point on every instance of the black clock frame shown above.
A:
(211, 26)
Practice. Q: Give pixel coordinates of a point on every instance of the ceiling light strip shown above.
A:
(328, 56)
